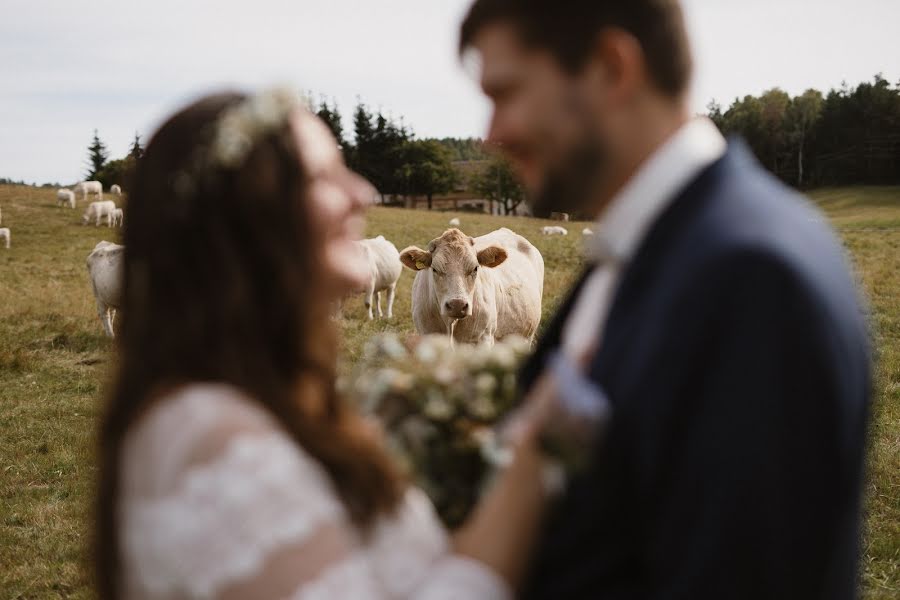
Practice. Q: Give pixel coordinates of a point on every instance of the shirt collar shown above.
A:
(624, 223)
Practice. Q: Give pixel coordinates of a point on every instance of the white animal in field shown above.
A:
(115, 189)
(477, 289)
(587, 231)
(5, 235)
(64, 197)
(454, 222)
(559, 216)
(384, 268)
(554, 230)
(104, 266)
(118, 217)
(89, 187)
(98, 211)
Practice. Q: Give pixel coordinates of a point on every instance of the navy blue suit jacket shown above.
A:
(736, 357)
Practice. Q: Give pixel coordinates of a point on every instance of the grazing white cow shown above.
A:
(454, 222)
(554, 230)
(104, 266)
(98, 211)
(587, 231)
(5, 235)
(89, 187)
(115, 189)
(118, 217)
(384, 268)
(64, 196)
(477, 290)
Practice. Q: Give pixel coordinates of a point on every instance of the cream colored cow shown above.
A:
(554, 230)
(98, 211)
(89, 187)
(384, 268)
(104, 266)
(65, 197)
(483, 289)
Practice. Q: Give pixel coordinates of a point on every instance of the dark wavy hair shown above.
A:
(220, 286)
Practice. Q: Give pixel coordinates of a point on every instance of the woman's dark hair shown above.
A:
(219, 286)
(568, 29)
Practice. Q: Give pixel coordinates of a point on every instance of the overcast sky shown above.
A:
(67, 67)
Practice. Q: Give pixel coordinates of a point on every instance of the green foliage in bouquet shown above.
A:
(439, 405)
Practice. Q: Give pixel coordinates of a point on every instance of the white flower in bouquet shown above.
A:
(485, 383)
(504, 357)
(432, 348)
(445, 374)
(482, 407)
(437, 407)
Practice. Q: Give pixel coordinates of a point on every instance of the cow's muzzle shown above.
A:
(457, 309)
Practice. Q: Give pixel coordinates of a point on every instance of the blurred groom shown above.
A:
(717, 314)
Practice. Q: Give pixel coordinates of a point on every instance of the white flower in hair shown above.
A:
(241, 127)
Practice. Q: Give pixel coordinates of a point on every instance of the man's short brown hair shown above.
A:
(568, 30)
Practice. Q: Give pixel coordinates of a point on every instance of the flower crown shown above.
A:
(237, 131)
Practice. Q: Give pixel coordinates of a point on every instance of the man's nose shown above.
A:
(457, 308)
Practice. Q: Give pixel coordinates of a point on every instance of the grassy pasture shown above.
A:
(54, 361)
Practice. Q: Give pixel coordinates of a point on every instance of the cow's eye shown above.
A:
(435, 271)
(474, 272)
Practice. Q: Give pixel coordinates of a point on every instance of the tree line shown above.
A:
(849, 136)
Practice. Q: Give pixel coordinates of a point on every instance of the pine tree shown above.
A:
(137, 151)
(332, 117)
(97, 155)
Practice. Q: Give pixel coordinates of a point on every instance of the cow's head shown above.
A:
(453, 265)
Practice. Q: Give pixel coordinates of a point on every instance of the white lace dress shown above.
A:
(217, 502)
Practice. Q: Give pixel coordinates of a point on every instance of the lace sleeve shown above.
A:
(259, 518)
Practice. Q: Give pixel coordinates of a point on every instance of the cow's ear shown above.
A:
(415, 258)
(491, 256)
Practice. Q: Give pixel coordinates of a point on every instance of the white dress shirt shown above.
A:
(625, 222)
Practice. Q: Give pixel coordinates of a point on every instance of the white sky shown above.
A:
(120, 66)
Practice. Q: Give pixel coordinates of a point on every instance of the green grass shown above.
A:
(54, 363)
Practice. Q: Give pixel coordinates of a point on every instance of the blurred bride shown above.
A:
(229, 466)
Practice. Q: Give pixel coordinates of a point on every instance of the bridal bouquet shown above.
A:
(439, 405)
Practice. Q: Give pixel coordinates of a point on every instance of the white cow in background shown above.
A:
(118, 217)
(384, 268)
(554, 230)
(98, 211)
(89, 187)
(64, 196)
(454, 222)
(5, 235)
(587, 231)
(104, 266)
(477, 289)
(115, 189)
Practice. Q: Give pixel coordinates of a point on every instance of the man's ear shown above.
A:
(415, 258)
(491, 256)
